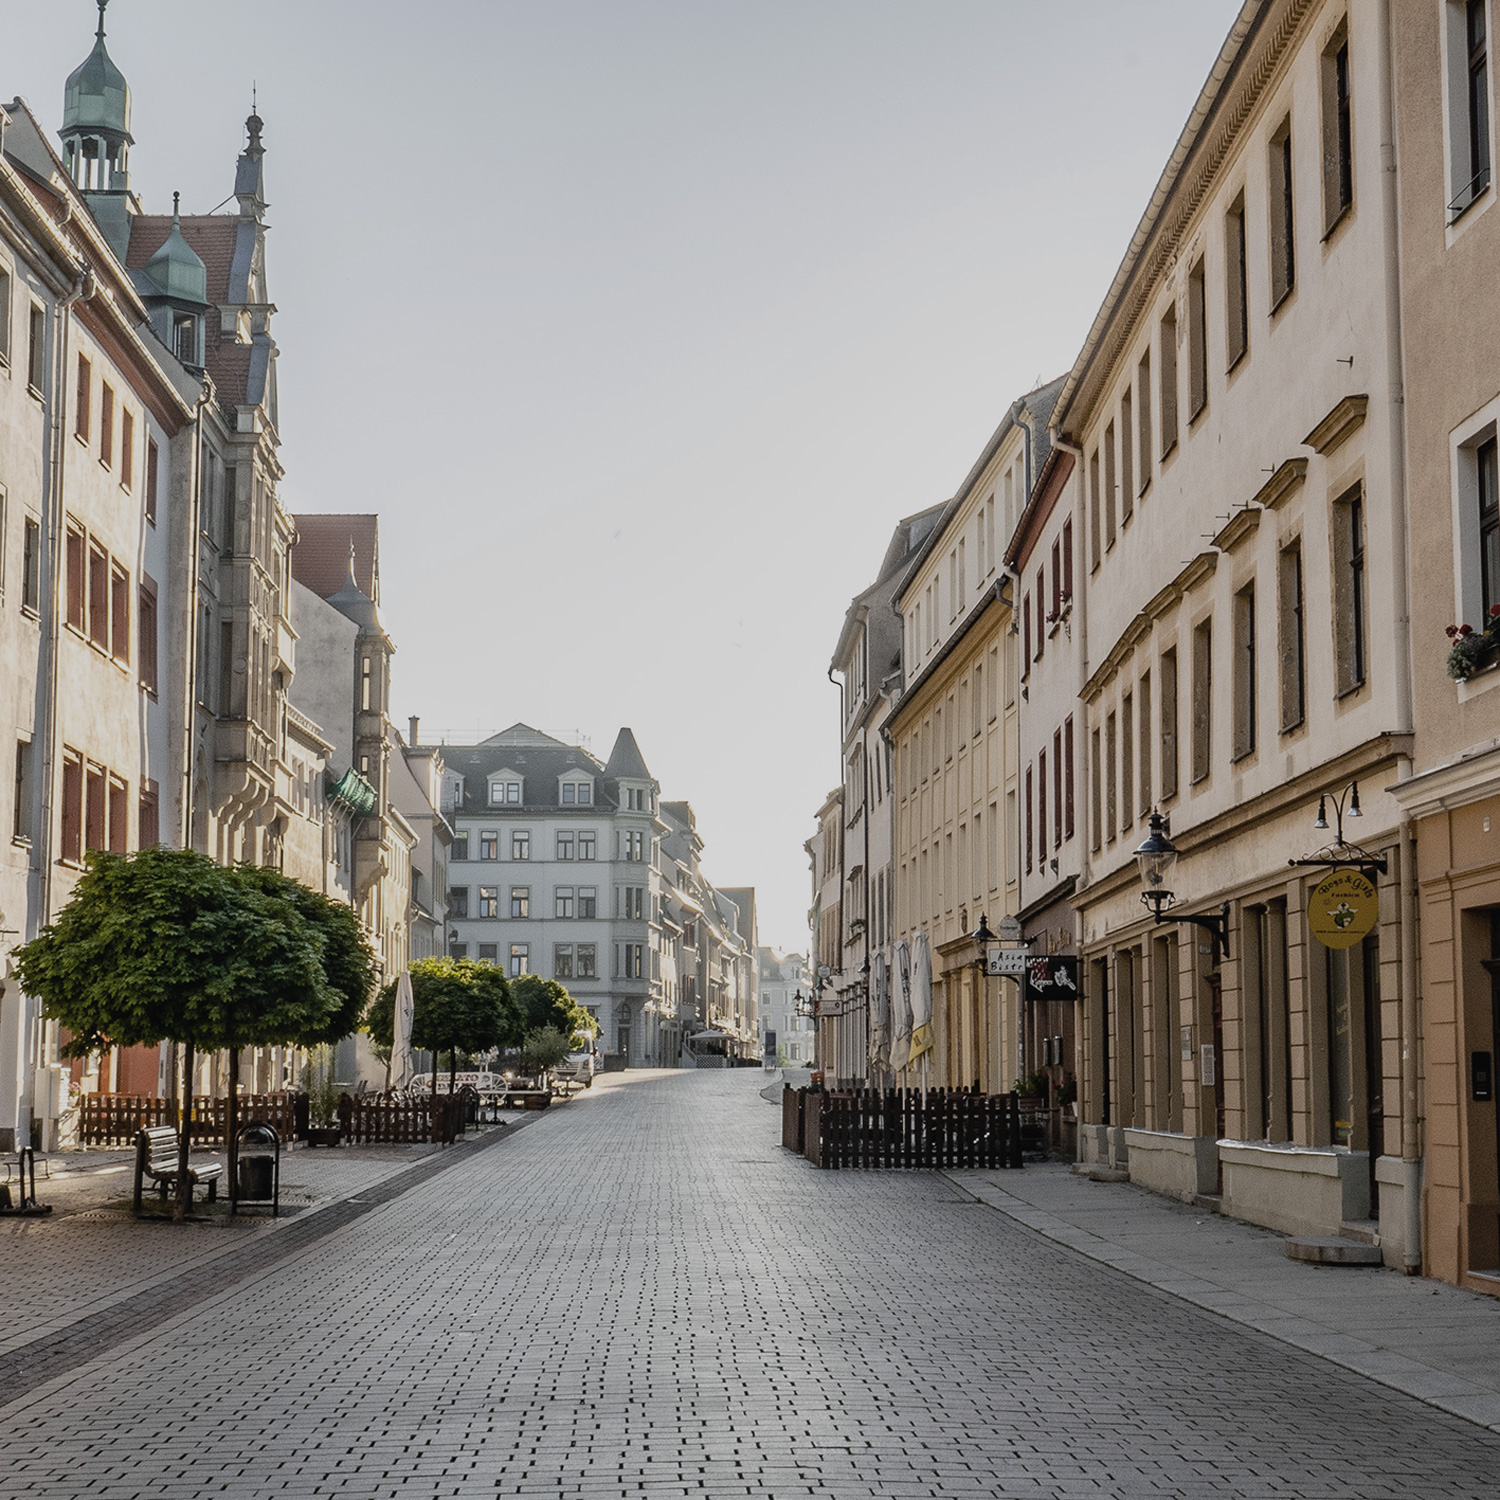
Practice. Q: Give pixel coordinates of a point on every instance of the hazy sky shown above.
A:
(641, 323)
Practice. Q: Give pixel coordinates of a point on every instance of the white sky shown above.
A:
(640, 323)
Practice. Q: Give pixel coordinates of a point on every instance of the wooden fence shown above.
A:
(899, 1128)
(379, 1119)
(116, 1119)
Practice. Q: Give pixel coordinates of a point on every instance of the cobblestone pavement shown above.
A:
(643, 1295)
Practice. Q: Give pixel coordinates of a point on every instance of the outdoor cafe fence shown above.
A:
(387, 1120)
(116, 1119)
(950, 1128)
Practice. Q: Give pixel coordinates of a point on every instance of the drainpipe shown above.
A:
(190, 706)
(1411, 1143)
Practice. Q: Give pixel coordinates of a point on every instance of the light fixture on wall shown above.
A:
(1157, 858)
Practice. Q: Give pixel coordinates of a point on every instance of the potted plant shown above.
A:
(322, 1098)
(1471, 651)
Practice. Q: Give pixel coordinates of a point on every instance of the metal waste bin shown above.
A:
(258, 1167)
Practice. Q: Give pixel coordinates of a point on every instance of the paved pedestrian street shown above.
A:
(642, 1294)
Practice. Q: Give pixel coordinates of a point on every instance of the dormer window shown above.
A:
(505, 794)
(577, 794)
(185, 338)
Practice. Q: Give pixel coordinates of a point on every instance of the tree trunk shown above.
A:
(434, 1069)
(184, 1135)
(452, 1069)
(231, 1126)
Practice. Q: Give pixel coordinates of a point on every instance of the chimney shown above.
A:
(412, 726)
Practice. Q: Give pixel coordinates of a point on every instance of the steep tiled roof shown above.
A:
(320, 558)
(212, 236)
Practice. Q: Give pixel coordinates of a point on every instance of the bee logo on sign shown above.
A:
(1343, 909)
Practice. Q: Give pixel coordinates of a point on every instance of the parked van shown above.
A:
(579, 1066)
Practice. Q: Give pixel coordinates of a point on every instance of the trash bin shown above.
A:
(258, 1167)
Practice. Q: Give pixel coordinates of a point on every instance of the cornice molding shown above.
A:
(1282, 485)
(1341, 423)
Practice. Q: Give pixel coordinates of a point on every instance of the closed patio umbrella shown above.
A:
(403, 1065)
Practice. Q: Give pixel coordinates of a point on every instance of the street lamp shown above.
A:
(1341, 853)
(1157, 858)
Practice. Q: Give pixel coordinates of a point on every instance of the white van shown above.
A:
(579, 1067)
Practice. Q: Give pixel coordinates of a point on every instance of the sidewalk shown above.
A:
(91, 1253)
(1426, 1338)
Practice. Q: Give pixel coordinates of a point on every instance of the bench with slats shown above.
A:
(156, 1157)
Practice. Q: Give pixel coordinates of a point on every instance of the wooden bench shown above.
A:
(156, 1151)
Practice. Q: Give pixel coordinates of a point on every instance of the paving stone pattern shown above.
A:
(643, 1295)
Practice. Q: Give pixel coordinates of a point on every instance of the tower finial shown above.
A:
(100, 33)
(176, 215)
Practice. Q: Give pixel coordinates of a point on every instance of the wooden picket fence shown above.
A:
(116, 1119)
(379, 1119)
(949, 1128)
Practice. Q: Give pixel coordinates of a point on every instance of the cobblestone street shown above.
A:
(641, 1293)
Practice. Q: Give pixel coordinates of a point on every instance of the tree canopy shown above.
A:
(458, 1006)
(166, 945)
(544, 1002)
(544, 1049)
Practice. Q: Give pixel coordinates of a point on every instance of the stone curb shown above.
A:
(1449, 1393)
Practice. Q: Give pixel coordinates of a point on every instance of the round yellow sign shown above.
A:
(1343, 909)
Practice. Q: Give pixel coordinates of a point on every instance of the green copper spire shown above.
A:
(96, 96)
(176, 270)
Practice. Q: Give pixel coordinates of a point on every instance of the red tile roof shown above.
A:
(212, 236)
(320, 557)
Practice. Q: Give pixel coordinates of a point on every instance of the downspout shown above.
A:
(1411, 1140)
(190, 706)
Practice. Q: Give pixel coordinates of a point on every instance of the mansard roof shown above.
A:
(538, 759)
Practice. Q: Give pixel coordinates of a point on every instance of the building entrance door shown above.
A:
(1216, 1008)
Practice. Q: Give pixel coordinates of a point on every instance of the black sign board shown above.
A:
(770, 1044)
(1482, 1071)
(1052, 976)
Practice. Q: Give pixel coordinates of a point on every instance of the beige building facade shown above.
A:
(1450, 249)
(1236, 417)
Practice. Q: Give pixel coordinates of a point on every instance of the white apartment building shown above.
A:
(553, 871)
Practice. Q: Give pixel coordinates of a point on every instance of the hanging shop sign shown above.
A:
(1052, 976)
(1343, 909)
(1011, 961)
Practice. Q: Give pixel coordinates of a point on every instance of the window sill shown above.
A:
(1339, 220)
(20, 841)
(1286, 297)
(35, 392)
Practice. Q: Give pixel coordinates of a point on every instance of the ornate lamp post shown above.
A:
(1157, 857)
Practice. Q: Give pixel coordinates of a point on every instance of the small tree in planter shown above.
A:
(544, 1049)
(1471, 650)
(165, 945)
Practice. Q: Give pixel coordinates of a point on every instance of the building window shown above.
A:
(36, 350)
(81, 405)
(588, 901)
(1487, 489)
(95, 808)
(520, 959)
(152, 471)
(489, 901)
(565, 845)
(489, 844)
(1143, 702)
(1096, 793)
(588, 963)
(520, 844)
(1167, 376)
(1292, 635)
(1095, 544)
(1067, 562)
(31, 565)
(458, 950)
(585, 794)
(569, 793)
(1338, 131)
(1197, 342)
(1167, 676)
(1349, 601)
(489, 953)
(5, 300)
(119, 816)
(76, 568)
(1283, 224)
(71, 846)
(562, 901)
(21, 813)
(632, 960)
(1111, 784)
(1203, 695)
(106, 425)
(635, 847)
(1236, 286)
(148, 814)
(366, 685)
(505, 794)
(586, 844)
(458, 901)
(632, 902)
(460, 849)
(99, 596)
(1127, 761)
(520, 900)
(127, 450)
(185, 338)
(1244, 672)
(1109, 486)
(562, 960)
(1030, 818)
(1143, 420)
(1469, 93)
(119, 614)
(1067, 763)
(1127, 456)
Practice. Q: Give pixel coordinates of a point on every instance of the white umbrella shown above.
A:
(880, 1010)
(403, 1068)
(901, 1020)
(921, 997)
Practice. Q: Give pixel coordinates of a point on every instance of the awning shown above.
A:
(353, 791)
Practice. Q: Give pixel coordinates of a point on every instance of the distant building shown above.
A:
(786, 1023)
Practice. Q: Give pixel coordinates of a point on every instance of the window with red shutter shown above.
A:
(72, 808)
(77, 605)
(119, 816)
(95, 810)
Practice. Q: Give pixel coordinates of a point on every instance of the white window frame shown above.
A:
(1455, 44)
(1463, 484)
